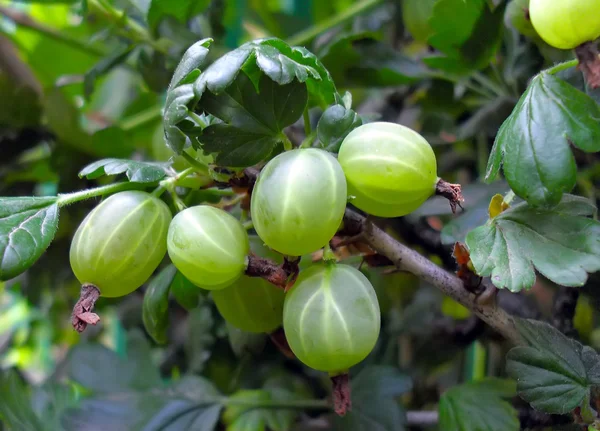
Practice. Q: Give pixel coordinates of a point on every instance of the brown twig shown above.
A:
(82, 311)
(342, 402)
(282, 276)
(409, 260)
(452, 192)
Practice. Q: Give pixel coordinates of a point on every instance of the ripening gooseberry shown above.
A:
(298, 201)
(566, 24)
(121, 242)
(208, 245)
(390, 169)
(331, 317)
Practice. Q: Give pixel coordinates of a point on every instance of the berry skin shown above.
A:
(331, 317)
(209, 246)
(390, 169)
(121, 242)
(566, 24)
(251, 304)
(298, 201)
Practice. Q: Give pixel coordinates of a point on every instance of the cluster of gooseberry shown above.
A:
(330, 313)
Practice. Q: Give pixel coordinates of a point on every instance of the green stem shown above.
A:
(120, 19)
(197, 165)
(328, 255)
(141, 118)
(508, 198)
(306, 118)
(307, 142)
(278, 404)
(485, 82)
(248, 225)
(306, 36)
(24, 20)
(562, 66)
(169, 183)
(287, 144)
(69, 198)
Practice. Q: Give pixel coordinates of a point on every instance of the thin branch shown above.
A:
(24, 20)
(422, 419)
(409, 260)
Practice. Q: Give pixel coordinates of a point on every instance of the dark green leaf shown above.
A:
(182, 10)
(469, 39)
(533, 143)
(27, 227)
(137, 172)
(272, 57)
(51, 400)
(189, 404)
(102, 371)
(253, 121)
(155, 311)
(563, 244)
(103, 67)
(15, 409)
(240, 417)
(184, 292)
(200, 338)
(554, 373)
(374, 406)
(335, 124)
(479, 406)
(360, 59)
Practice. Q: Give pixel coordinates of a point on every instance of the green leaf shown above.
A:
(155, 310)
(182, 10)
(27, 227)
(374, 406)
(137, 172)
(15, 409)
(478, 406)
(253, 122)
(335, 124)
(103, 67)
(416, 14)
(185, 293)
(102, 371)
(192, 403)
(533, 143)
(200, 338)
(360, 59)
(51, 400)
(193, 58)
(241, 414)
(554, 373)
(263, 57)
(469, 39)
(563, 244)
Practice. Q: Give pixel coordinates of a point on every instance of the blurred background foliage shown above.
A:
(82, 80)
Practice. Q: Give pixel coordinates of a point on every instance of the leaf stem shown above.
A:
(24, 20)
(169, 183)
(306, 36)
(307, 142)
(141, 118)
(306, 118)
(197, 165)
(278, 404)
(287, 144)
(509, 197)
(562, 66)
(69, 198)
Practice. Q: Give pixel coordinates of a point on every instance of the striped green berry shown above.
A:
(209, 246)
(298, 201)
(390, 169)
(120, 243)
(331, 317)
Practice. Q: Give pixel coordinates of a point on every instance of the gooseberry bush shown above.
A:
(288, 198)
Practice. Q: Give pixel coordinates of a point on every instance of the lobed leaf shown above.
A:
(296, 70)
(533, 143)
(563, 244)
(155, 309)
(335, 124)
(138, 172)
(27, 227)
(478, 406)
(555, 374)
(15, 409)
(240, 417)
